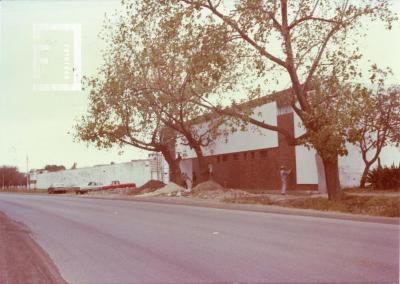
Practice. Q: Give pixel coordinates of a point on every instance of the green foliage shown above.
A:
(330, 117)
(384, 177)
(377, 123)
(376, 120)
(158, 66)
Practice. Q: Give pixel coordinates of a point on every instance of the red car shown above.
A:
(116, 184)
(91, 186)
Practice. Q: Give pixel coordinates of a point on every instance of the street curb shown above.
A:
(257, 208)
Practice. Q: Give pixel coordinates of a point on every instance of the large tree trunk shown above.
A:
(203, 167)
(331, 166)
(175, 174)
(364, 175)
(368, 164)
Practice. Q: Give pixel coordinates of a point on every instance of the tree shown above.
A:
(54, 168)
(378, 125)
(114, 118)
(144, 93)
(116, 114)
(313, 39)
(10, 176)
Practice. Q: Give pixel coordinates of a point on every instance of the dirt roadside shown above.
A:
(22, 259)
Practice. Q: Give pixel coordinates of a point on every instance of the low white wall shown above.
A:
(137, 172)
(306, 166)
(350, 166)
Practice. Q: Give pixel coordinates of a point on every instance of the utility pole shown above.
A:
(27, 172)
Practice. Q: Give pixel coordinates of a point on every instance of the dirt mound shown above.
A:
(171, 189)
(124, 191)
(209, 185)
(150, 186)
(208, 189)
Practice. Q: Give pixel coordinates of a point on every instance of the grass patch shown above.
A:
(264, 200)
(371, 190)
(368, 205)
(23, 190)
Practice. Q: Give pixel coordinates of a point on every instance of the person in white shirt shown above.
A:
(284, 173)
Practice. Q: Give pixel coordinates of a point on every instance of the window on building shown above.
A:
(285, 110)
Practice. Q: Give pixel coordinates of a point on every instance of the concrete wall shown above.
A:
(252, 138)
(138, 172)
(350, 166)
(306, 167)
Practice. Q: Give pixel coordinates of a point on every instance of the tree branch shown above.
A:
(307, 18)
(242, 34)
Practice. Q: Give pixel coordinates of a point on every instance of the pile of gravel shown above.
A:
(150, 186)
(207, 189)
(171, 189)
(209, 185)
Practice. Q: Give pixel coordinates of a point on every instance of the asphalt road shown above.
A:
(112, 241)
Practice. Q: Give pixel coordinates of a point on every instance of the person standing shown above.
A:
(284, 173)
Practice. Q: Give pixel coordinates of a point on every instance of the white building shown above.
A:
(251, 158)
(135, 171)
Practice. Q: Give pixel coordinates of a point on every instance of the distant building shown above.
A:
(136, 171)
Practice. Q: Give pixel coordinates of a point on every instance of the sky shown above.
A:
(46, 46)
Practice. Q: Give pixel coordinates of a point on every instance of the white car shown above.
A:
(91, 186)
(57, 188)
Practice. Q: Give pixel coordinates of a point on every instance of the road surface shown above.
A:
(112, 241)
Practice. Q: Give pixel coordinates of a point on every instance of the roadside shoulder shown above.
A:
(23, 260)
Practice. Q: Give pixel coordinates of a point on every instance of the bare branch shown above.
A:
(308, 18)
(242, 34)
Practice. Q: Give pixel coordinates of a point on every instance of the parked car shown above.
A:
(115, 184)
(57, 188)
(91, 186)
